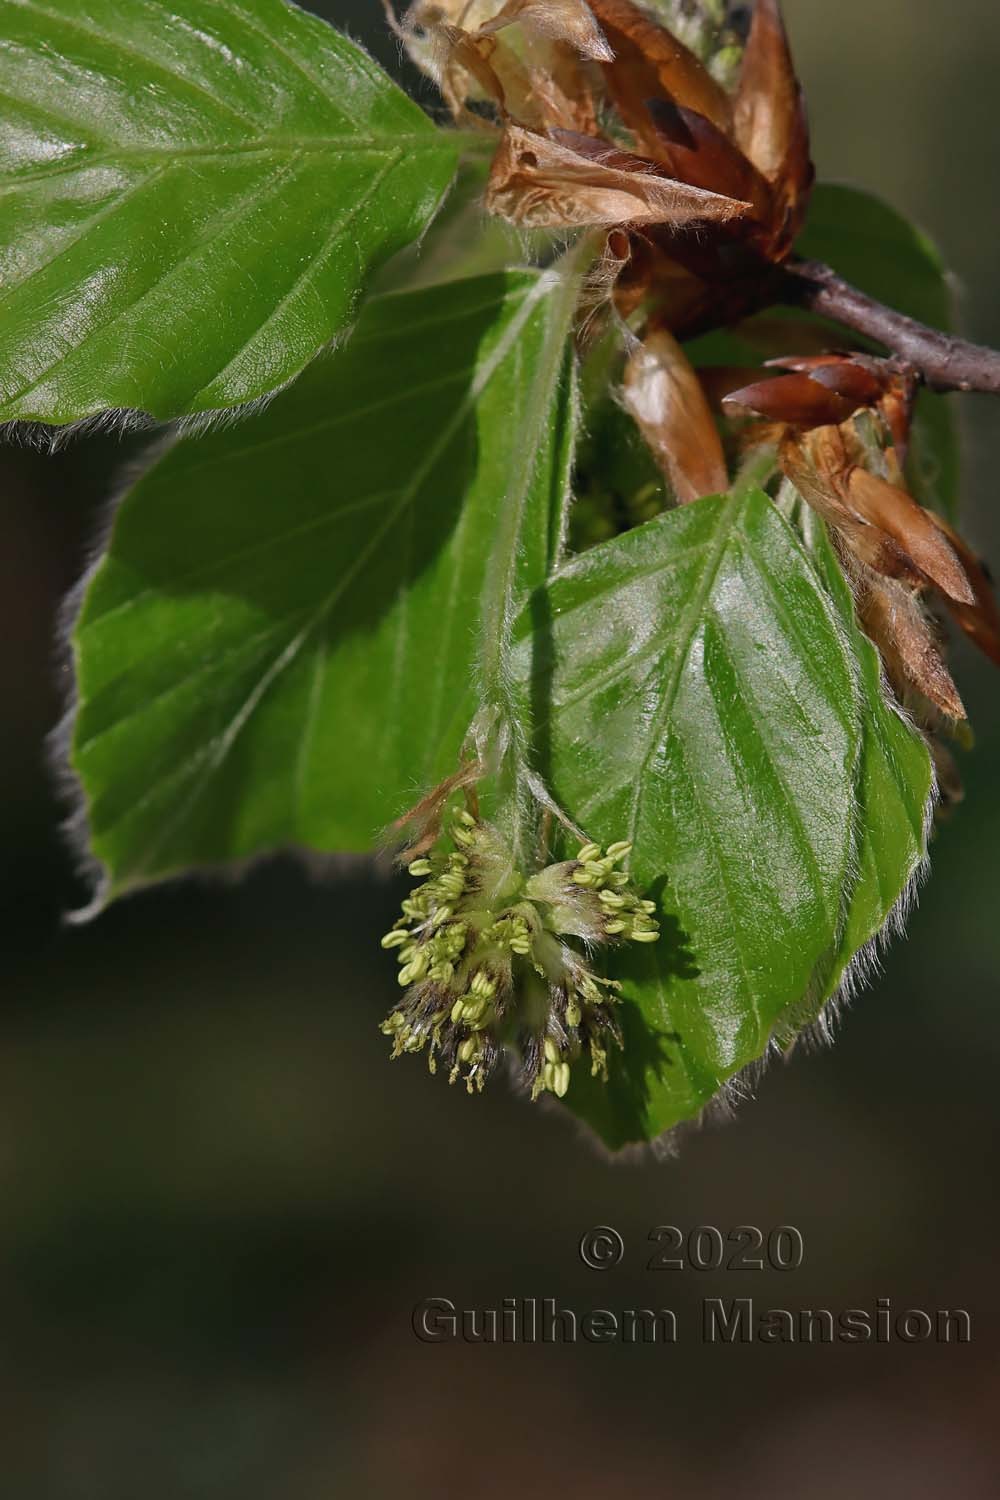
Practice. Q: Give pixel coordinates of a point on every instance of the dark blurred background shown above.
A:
(220, 1203)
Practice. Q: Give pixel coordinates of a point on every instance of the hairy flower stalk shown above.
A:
(488, 959)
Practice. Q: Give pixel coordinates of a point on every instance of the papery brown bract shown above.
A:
(842, 422)
(898, 515)
(818, 465)
(981, 620)
(467, 58)
(881, 523)
(893, 617)
(698, 152)
(852, 379)
(570, 21)
(819, 389)
(460, 46)
(894, 551)
(660, 92)
(769, 115)
(650, 63)
(607, 120)
(663, 115)
(866, 381)
(663, 394)
(537, 182)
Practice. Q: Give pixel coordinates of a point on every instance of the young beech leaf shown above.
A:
(194, 194)
(894, 787)
(279, 644)
(694, 685)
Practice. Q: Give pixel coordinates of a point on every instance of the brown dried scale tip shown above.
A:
(664, 395)
(819, 389)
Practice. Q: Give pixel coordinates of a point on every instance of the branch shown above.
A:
(944, 362)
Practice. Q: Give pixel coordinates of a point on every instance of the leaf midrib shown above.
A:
(218, 747)
(334, 145)
(685, 635)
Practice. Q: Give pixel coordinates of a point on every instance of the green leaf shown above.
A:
(883, 254)
(279, 645)
(194, 195)
(894, 787)
(700, 686)
(692, 690)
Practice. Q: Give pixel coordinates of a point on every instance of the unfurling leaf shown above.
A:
(695, 688)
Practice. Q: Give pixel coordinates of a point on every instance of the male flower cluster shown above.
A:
(487, 957)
